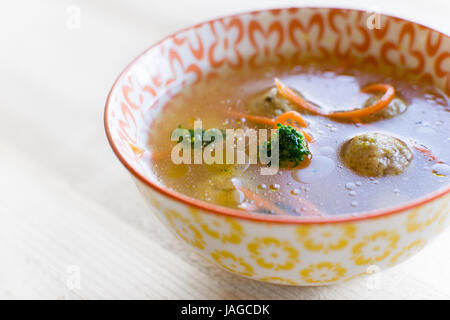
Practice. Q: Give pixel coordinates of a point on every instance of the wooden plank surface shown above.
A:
(73, 225)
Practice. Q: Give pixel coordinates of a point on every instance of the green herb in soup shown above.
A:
(293, 148)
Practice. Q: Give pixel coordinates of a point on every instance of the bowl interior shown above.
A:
(356, 38)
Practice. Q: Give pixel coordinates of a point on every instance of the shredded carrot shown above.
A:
(310, 209)
(425, 151)
(291, 115)
(252, 118)
(383, 102)
(289, 94)
(294, 116)
(308, 137)
(283, 119)
(260, 202)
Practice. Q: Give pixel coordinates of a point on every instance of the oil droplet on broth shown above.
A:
(440, 169)
(319, 168)
(350, 186)
(275, 187)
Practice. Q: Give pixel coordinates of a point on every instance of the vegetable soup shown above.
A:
(349, 140)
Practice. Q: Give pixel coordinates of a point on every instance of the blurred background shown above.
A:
(72, 223)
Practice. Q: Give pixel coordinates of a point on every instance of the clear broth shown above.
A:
(326, 182)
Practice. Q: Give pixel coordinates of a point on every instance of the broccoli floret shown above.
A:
(292, 145)
(193, 136)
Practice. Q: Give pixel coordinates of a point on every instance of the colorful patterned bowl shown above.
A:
(294, 251)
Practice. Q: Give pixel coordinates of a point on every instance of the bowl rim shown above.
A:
(245, 215)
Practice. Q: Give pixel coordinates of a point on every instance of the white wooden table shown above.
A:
(72, 222)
